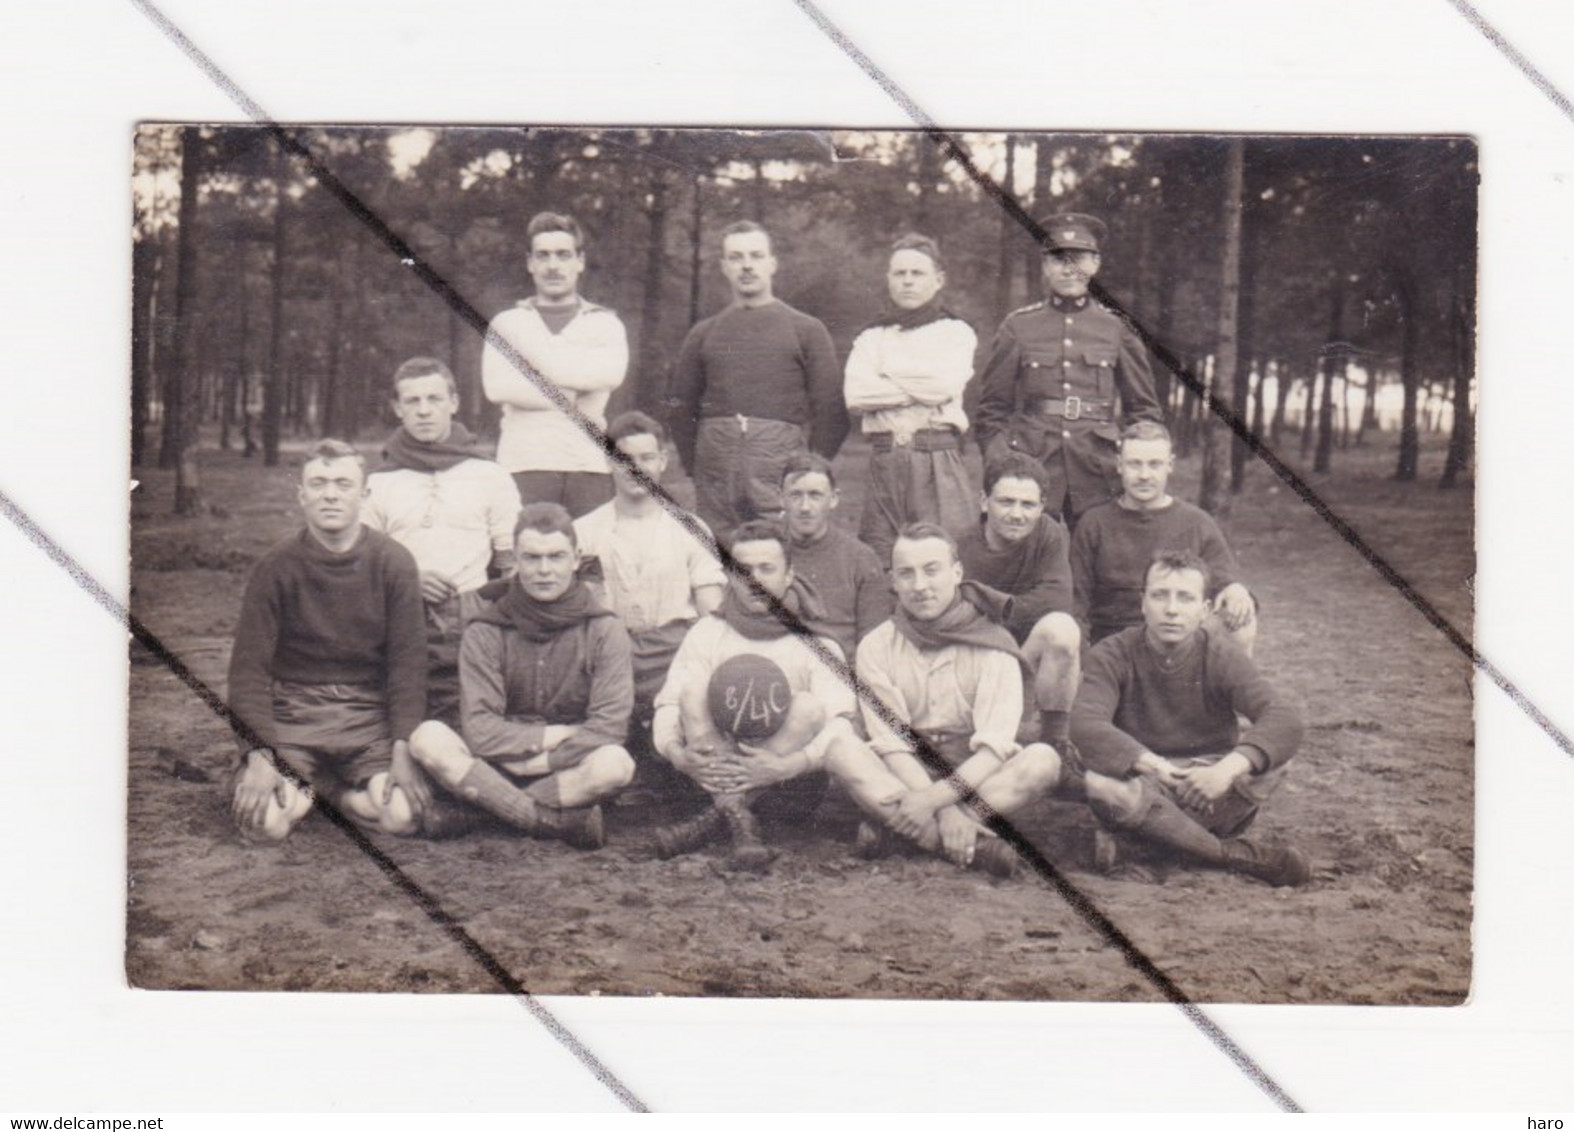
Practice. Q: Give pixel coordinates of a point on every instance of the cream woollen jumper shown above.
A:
(587, 360)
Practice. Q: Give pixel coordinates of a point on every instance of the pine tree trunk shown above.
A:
(183, 410)
(1044, 202)
(1461, 440)
(1410, 378)
(1211, 496)
(273, 379)
(646, 390)
(696, 248)
(1008, 229)
(234, 367)
(1282, 381)
(1332, 353)
(1309, 409)
(144, 261)
(1258, 411)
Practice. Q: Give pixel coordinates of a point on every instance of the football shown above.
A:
(749, 697)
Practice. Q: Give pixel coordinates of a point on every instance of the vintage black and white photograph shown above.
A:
(817, 563)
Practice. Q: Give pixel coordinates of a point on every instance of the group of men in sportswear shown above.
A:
(452, 639)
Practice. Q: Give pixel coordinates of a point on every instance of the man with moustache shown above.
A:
(906, 376)
(752, 385)
(945, 670)
(1064, 374)
(777, 772)
(1157, 723)
(575, 345)
(450, 508)
(547, 690)
(328, 672)
(658, 566)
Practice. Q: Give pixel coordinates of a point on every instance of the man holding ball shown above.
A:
(751, 708)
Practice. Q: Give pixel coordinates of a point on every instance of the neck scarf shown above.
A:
(800, 600)
(932, 311)
(542, 620)
(973, 619)
(405, 451)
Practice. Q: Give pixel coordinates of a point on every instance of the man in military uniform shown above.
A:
(1065, 374)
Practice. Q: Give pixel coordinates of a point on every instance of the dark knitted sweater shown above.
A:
(1132, 699)
(772, 362)
(311, 616)
(850, 584)
(1113, 546)
(1035, 572)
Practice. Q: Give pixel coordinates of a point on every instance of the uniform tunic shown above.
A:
(1045, 355)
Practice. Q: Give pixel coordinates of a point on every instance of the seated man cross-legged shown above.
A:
(746, 743)
(328, 672)
(944, 668)
(546, 688)
(1157, 724)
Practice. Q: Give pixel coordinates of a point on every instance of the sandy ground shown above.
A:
(1380, 798)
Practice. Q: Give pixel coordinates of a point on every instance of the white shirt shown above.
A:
(906, 380)
(965, 688)
(587, 360)
(451, 521)
(650, 564)
(713, 641)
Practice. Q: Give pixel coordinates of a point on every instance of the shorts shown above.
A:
(1234, 813)
(953, 747)
(332, 730)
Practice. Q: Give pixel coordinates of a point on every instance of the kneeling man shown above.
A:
(1019, 550)
(943, 670)
(1156, 721)
(329, 668)
(806, 720)
(546, 687)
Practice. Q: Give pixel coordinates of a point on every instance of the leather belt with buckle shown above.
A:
(1074, 409)
(924, 440)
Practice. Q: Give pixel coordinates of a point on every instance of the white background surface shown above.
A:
(75, 1040)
